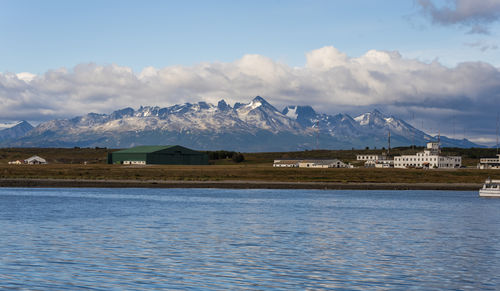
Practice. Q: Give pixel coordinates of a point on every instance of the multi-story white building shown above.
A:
(489, 163)
(429, 158)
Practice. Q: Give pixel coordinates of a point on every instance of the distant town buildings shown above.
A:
(430, 158)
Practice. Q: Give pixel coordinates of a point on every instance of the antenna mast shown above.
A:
(453, 122)
(497, 130)
(317, 134)
(413, 132)
(389, 142)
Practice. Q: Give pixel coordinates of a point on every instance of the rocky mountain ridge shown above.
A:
(254, 126)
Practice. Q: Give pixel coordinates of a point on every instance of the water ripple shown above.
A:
(115, 239)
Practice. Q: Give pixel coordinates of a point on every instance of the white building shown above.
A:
(134, 162)
(379, 164)
(489, 163)
(371, 157)
(35, 160)
(286, 163)
(334, 163)
(430, 158)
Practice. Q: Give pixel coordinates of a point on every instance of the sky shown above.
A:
(435, 64)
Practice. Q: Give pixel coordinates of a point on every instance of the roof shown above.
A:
(286, 161)
(35, 158)
(291, 161)
(320, 161)
(145, 149)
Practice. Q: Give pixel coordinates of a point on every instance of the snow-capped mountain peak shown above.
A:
(371, 118)
(259, 113)
(259, 102)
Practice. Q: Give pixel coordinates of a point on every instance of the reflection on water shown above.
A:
(247, 239)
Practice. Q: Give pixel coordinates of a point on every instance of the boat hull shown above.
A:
(489, 193)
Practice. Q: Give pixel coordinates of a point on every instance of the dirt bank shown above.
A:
(70, 183)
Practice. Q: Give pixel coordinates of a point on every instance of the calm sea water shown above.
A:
(115, 239)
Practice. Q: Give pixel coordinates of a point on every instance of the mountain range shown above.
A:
(252, 127)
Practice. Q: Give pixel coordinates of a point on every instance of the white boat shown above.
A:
(491, 188)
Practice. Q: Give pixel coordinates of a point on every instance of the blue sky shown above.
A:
(153, 51)
(42, 35)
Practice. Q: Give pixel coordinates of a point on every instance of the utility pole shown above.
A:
(317, 134)
(413, 132)
(497, 130)
(389, 142)
(453, 123)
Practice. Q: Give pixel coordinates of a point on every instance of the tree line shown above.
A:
(237, 157)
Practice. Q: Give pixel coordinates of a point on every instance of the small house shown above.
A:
(35, 160)
(286, 163)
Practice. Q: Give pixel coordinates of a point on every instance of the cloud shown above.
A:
(25, 76)
(330, 81)
(482, 46)
(471, 13)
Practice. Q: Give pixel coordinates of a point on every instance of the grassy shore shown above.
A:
(242, 172)
(72, 165)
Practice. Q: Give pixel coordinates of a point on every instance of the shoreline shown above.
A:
(230, 184)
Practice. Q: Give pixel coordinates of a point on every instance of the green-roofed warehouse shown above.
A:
(158, 155)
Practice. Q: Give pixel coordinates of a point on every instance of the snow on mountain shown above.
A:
(254, 126)
(380, 125)
(6, 125)
(291, 112)
(304, 115)
(374, 118)
(259, 113)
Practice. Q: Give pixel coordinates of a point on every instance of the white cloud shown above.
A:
(330, 81)
(326, 58)
(25, 76)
